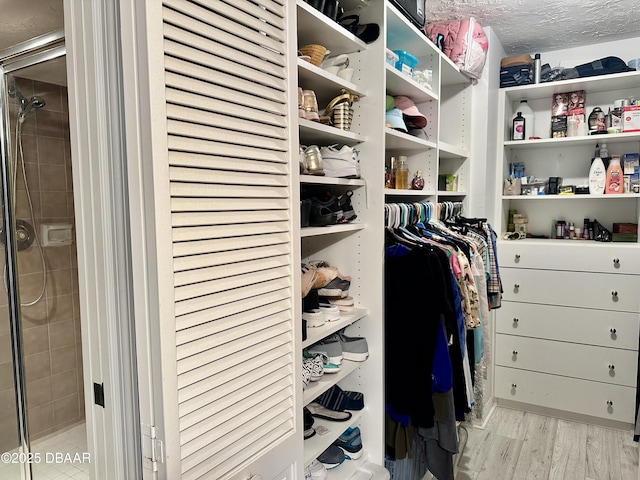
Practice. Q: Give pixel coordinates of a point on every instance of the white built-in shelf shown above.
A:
(443, 193)
(318, 79)
(451, 151)
(320, 134)
(315, 334)
(398, 83)
(402, 142)
(316, 28)
(575, 141)
(331, 229)
(408, 193)
(323, 180)
(544, 198)
(603, 83)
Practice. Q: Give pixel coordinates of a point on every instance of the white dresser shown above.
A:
(567, 332)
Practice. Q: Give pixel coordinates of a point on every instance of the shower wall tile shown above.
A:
(22, 205)
(5, 348)
(34, 315)
(6, 376)
(59, 282)
(51, 150)
(53, 178)
(4, 321)
(66, 409)
(54, 205)
(62, 334)
(50, 124)
(30, 287)
(62, 305)
(58, 258)
(64, 383)
(29, 149)
(37, 366)
(39, 392)
(35, 340)
(41, 419)
(30, 261)
(63, 359)
(8, 422)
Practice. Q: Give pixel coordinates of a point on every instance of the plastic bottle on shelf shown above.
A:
(614, 176)
(402, 173)
(597, 176)
(604, 151)
(519, 127)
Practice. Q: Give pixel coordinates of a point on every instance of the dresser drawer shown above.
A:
(588, 362)
(572, 255)
(612, 402)
(574, 289)
(569, 324)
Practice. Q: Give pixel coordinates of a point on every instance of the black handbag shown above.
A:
(414, 10)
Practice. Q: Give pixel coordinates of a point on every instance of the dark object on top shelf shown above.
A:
(603, 66)
(414, 10)
(367, 32)
(330, 8)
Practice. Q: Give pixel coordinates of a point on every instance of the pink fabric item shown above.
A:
(465, 43)
(410, 110)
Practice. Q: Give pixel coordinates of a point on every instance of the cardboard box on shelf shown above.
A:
(631, 118)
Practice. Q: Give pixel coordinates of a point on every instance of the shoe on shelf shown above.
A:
(345, 304)
(350, 442)
(306, 377)
(335, 288)
(325, 413)
(301, 112)
(313, 160)
(332, 457)
(356, 400)
(308, 421)
(315, 471)
(353, 348)
(309, 275)
(344, 203)
(314, 364)
(342, 163)
(310, 104)
(302, 160)
(321, 263)
(325, 210)
(314, 318)
(331, 312)
(334, 399)
(331, 348)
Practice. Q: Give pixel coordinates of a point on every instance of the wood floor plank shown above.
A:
(628, 456)
(569, 452)
(504, 452)
(534, 462)
(510, 423)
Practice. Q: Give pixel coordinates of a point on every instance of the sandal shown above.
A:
(310, 105)
(368, 32)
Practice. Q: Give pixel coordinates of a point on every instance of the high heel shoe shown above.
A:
(310, 105)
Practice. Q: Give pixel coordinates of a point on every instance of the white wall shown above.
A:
(570, 57)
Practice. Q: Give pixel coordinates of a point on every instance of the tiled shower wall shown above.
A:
(51, 327)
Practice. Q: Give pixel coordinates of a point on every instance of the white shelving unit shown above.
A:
(573, 300)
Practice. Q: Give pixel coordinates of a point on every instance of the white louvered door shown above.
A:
(229, 385)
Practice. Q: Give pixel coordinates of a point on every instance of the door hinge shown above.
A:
(152, 448)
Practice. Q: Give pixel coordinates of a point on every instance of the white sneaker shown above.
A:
(343, 163)
(315, 471)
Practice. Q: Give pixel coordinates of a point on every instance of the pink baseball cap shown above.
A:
(410, 110)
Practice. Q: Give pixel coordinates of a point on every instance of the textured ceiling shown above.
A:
(530, 26)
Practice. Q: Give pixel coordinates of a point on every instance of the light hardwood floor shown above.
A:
(517, 445)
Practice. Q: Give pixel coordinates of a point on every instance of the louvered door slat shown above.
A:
(229, 163)
(192, 219)
(208, 104)
(232, 98)
(224, 310)
(251, 397)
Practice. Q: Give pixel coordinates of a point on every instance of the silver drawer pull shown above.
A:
(517, 257)
(610, 403)
(614, 294)
(515, 352)
(515, 321)
(616, 262)
(513, 385)
(612, 367)
(613, 331)
(516, 286)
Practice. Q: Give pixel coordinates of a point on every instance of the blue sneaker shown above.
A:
(332, 457)
(350, 443)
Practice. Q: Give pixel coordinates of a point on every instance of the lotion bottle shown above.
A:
(597, 177)
(614, 176)
(519, 127)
